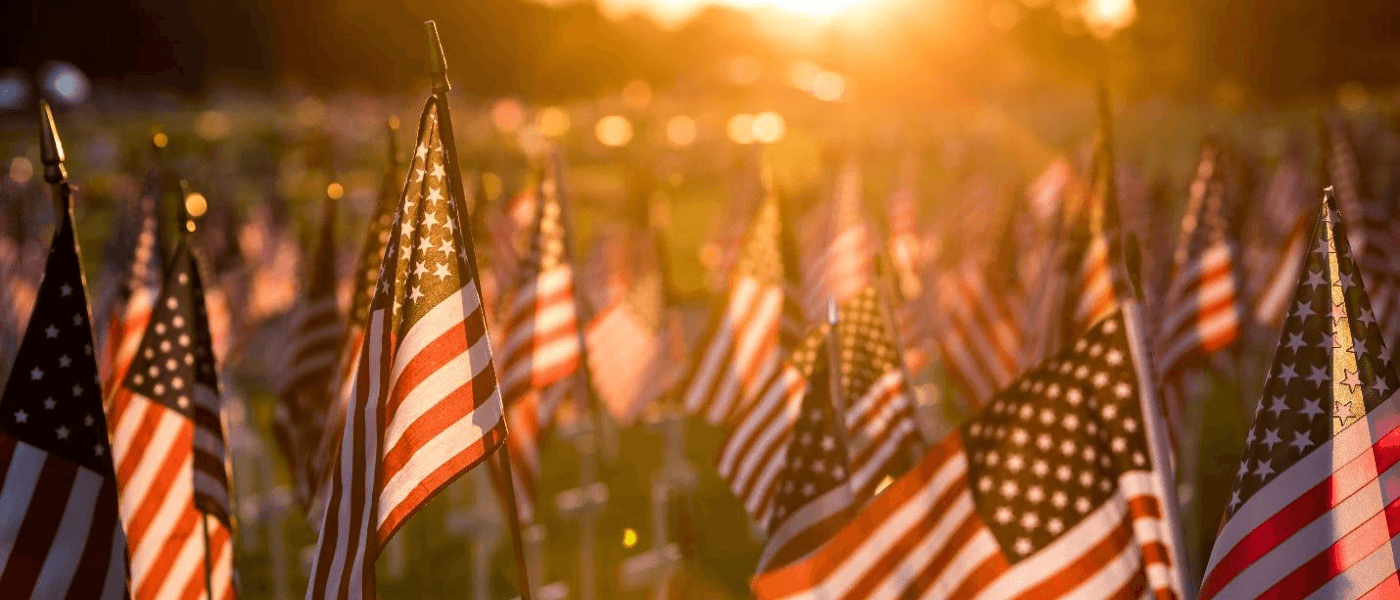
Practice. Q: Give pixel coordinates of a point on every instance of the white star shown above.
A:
(1295, 341)
(438, 171)
(1367, 316)
(1044, 441)
(1015, 462)
(50, 403)
(1315, 279)
(415, 293)
(1277, 406)
(1054, 525)
(1312, 408)
(62, 432)
(1030, 520)
(1264, 469)
(77, 320)
(430, 218)
(1009, 488)
(828, 443)
(1271, 437)
(65, 290)
(1244, 468)
(1035, 494)
(97, 449)
(1287, 373)
(1003, 515)
(1114, 357)
(1318, 375)
(36, 374)
(1345, 279)
(434, 194)
(21, 416)
(64, 361)
(421, 269)
(1303, 310)
(1381, 386)
(819, 466)
(1130, 425)
(88, 420)
(1234, 499)
(425, 244)
(422, 151)
(77, 390)
(1119, 444)
(1302, 439)
(51, 332)
(1083, 505)
(446, 247)
(1350, 379)
(1100, 379)
(809, 489)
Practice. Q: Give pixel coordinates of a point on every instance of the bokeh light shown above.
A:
(196, 205)
(740, 128)
(613, 130)
(64, 82)
(1106, 17)
(160, 140)
(769, 127)
(681, 131)
(828, 86)
(552, 121)
(490, 186)
(636, 95)
(804, 75)
(629, 537)
(14, 90)
(21, 170)
(507, 115)
(213, 125)
(334, 190)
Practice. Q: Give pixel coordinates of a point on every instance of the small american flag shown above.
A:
(980, 337)
(304, 402)
(426, 406)
(879, 411)
(168, 442)
(633, 346)
(1059, 488)
(743, 348)
(1313, 512)
(540, 342)
(129, 309)
(837, 247)
(60, 536)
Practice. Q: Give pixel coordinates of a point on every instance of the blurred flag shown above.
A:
(723, 244)
(1201, 314)
(1377, 248)
(879, 411)
(1059, 488)
(837, 246)
(510, 229)
(540, 341)
(426, 405)
(979, 338)
(756, 325)
(127, 308)
(60, 536)
(1278, 233)
(1312, 513)
(813, 497)
(366, 281)
(304, 400)
(168, 441)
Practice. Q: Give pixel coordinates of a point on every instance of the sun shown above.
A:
(813, 7)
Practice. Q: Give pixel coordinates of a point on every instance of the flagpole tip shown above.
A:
(832, 315)
(50, 146)
(437, 61)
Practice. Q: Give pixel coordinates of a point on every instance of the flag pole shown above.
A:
(438, 68)
(51, 154)
(833, 358)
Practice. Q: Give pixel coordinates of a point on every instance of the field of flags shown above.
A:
(499, 370)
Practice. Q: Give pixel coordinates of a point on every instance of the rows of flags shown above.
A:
(1060, 483)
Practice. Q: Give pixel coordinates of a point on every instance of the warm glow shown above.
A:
(828, 86)
(21, 170)
(769, 127)
(490, 186)
(740, 128)
(160, 140)
(1106, 17)
(629, 537)
(613, 130)
(196, 205)
(681, 131)
(334, 191)
(507, 115)
(552, 121)
(811, 7)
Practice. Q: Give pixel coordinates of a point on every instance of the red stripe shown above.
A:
(1094, 559)
(1390, 588)
(186, 527)
(170, 468)
(451, 408)
(444, 474)
(1336, 559)
(33, 542)
(1305, 509)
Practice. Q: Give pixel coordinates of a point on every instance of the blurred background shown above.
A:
(266, 108)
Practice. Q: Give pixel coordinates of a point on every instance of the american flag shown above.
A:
(1312, 513)
(633, 347)
(748, 334)
(426, 406)
(1059, 488)
(813, 497)
(60, 536)
(540, 341)
(316, 333)
(168, 442)
(1278, 235)
(980, 336)
(129, 309)
(1090, 294)
(1375, 242)
(365, 282)
(837, 247)
(879, 411)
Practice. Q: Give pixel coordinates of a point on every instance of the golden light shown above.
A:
(681, 131)
(196, 205)
(636, 95)
(507, 115)
(813, 7)
(629, 537)
(740, 128)
(1352, 96)
(552, 121)
(769, 127)
(1106, 17)
(804, 74)
(334, 191)
(490, 186)
(613, 130)
(828, 86)
(212, 125)
(884, 483)
(160, 140)
(1004, 14)
(21, 170)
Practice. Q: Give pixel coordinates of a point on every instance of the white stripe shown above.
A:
(1362, 577)
(20, 479)
(1060, 553)
(1112, 576)
(778, 395)
(1303, 475)
(222, 573)
(930, 543)
(373, 456)
(69, 542)
(541, 359)
(761, 332)
(976, 551)
(432, 389)
(454, 439)
(188, 566)
(114, 587)
(808, 515)
(178, 498)
(447, 314)
(547, 320)
(740, 299)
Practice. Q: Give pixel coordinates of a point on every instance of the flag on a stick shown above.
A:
(426, 407)
(60, 536)
(1313, 511)
(130, 307)
(1059, 488)
(837, 247)
(168, 442)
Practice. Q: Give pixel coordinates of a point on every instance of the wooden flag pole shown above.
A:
(438, 67)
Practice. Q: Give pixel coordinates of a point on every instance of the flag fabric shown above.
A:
(979, 337)
(634, 344)
(130, 307)
(60, 536)
(168, 443)
(1313, 509)
(837, 246)
(365, 281)
(879, 412)
(304, 401)
(758, 322)
(1275, 284)
(813, 496)
(1058, 488)
(540, 341)
(426, 406)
